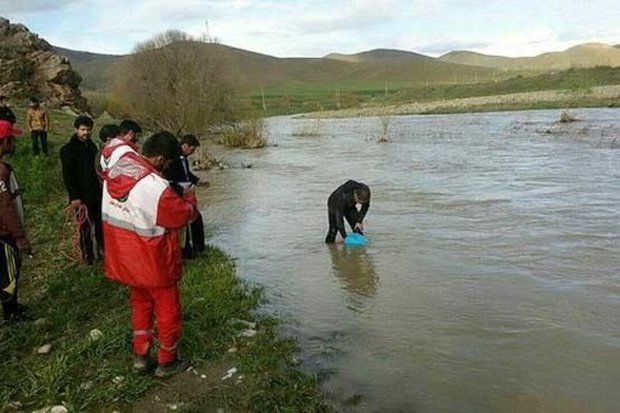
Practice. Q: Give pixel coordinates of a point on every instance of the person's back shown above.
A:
(141, 216)
(341, 205)
(123, 142)
(138, 210)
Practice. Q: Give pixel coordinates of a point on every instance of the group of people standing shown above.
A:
(137, 204)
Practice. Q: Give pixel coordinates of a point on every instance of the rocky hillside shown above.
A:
(30, 67)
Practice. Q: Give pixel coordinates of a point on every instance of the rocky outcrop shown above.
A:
(30, 67)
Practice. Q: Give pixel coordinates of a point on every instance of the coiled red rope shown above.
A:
(77, 217)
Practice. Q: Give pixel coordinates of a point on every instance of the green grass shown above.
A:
(301, 98)
(69, 300)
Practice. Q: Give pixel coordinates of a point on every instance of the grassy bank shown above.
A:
(91, 371)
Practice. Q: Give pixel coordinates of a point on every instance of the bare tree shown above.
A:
(176, 82)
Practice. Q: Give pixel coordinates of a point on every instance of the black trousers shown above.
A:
(194, 238)
(10, 268)
(352, 217)
(36, 136)
(86, 233)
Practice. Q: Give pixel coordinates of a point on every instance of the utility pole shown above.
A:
(262, 95)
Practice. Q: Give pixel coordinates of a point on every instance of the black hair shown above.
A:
(363, 194)
(34, 100)
(161, 144)
(129, 125)
(83, 120)
(190, 140)
(108, 131)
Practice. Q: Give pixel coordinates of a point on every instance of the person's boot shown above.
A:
(330, 238)
(142, 364)
(170, 369)
(15, 313)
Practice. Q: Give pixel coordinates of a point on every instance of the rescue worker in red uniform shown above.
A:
(141, 215)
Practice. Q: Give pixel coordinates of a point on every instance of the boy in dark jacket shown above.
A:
(83, 185)
(342, 203)
(181, 178)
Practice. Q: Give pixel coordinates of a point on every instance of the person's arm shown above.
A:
(174, 211)
(29, 118)
(68, 174)
(193, 178)
(188, 172)
(46, 118)
(10, 221)
(363, 211)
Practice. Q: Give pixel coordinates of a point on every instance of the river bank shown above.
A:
(77, 353)
(600, 96)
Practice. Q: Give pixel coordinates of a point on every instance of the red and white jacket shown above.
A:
(141, 214)
(114, 150)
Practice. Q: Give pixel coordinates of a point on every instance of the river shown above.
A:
(491, 282)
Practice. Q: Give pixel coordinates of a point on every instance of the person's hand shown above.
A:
(75, 203)
(339, 241)
(359, 227)
(204, 184)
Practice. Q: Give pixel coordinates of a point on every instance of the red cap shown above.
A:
(7, 129)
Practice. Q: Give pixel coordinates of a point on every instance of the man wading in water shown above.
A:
(342, 204)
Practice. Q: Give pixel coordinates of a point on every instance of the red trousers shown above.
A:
(163, 306)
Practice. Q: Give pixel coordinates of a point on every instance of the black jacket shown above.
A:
(7, 114)
(178, 172)
(342, 202)
(78, 171)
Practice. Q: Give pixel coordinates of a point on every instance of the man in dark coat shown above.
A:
(342, 203)
(83, 185)
(181, 178)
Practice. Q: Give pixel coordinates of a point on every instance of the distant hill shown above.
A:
(582, 56)
(378, 56)
(369, 69)
(97, 70)
(258, 70)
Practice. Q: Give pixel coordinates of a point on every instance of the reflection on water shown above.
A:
(356, 271)
(492, 281)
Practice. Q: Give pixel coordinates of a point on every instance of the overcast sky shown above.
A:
(293, 28)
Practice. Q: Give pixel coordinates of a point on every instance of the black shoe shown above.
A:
(142, 364)
(17, 317)
(170, 369)
(16, 312)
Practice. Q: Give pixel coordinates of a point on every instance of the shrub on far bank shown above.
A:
(249, 134)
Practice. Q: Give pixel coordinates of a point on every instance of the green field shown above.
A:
(300, 98)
